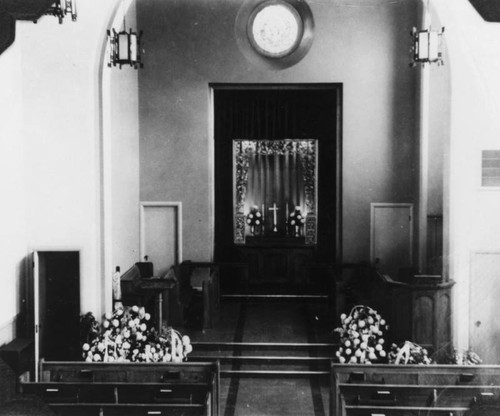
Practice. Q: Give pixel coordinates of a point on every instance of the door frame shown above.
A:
(33, 295)
(338, 87)
(177, 207)
(373, 207)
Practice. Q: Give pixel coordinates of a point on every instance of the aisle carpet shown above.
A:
(272, 321)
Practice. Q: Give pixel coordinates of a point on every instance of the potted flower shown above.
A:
(296, 220)
(254, 219)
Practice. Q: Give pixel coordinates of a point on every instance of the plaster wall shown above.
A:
(61, 129)
(361, 44)
(120, 88)
(13, 234)
(471, 211)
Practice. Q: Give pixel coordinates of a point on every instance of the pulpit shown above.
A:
(145, 291)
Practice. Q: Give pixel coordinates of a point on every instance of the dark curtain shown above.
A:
(274, 115)
(270, 113)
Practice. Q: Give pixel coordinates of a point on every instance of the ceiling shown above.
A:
(25, 9)
(488, 9)
(12, 10)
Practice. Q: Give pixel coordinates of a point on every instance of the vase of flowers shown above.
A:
(127, 335)
(254, 219)
(361, 336)
(296, 220)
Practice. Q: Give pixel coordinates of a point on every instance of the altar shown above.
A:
(278, 259)
(275, 208)
(275, 190)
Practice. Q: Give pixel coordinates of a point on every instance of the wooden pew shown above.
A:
(367, 390)
(102, 389)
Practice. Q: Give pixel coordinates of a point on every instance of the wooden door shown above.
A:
(484, 286)
(56, 283)
(391, 237)
(161, 234)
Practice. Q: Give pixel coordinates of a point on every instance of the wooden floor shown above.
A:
(274, 353)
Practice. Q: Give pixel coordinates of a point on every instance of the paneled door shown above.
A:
(484, 291)
(391, 237)
(161, 234)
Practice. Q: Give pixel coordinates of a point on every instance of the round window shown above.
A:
(275, 29)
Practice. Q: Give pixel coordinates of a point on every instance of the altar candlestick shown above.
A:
(275, 211)
(263, 216)
(286, 206)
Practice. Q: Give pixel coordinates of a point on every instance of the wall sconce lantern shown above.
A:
(426, 46)
(125, 48)
(61, 8)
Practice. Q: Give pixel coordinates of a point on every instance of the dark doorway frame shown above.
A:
(334, 88)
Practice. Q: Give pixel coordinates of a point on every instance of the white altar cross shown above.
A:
(275, 211)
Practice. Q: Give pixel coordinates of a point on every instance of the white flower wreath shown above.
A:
(361, 336)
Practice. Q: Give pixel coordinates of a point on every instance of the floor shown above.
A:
(274, 355)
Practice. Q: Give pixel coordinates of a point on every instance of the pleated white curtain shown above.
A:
(275, 180)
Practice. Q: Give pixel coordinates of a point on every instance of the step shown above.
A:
(274, 298)
(208, 345)
(261, 359)
(279, 363)
(274, 373)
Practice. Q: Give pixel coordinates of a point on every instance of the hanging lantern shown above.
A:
(426, 46)
(124, 48)
(61, 8)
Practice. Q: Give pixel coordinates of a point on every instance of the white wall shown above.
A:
(362, 44)
(62, 132)
(122, 140)
(474, 222)
(53, 149)
(13, 242)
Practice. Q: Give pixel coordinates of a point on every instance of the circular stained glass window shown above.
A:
(275, 29)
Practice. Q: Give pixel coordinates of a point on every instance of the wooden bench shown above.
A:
(102, 389)
(451, 390)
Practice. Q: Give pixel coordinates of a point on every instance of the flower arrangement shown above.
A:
(254, 217)
(127, 335)
(467, 357)
(361, 336)
(408, 353)
(296, 218)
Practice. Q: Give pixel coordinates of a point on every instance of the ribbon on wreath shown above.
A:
(404, 352)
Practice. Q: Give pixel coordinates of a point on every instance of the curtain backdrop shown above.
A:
(275, 179)
(273, 114)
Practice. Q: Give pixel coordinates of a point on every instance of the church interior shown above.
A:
(257, 175)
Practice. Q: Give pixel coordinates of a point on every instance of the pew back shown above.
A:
(412, 389)
(74, 388)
